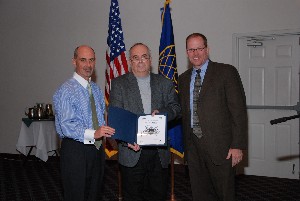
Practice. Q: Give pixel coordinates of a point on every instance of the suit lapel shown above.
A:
(154, 92)
(186, 87)
(136, 95)
(208, 79)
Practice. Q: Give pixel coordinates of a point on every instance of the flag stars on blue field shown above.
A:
(115, 39)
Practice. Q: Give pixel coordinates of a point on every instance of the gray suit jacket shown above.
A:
(125, 94)
(222, 111)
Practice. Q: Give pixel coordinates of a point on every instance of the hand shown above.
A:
(135, 147)
(236, 155)
(155, 112)
(104, 131)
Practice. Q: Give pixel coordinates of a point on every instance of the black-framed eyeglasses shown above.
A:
(137, 59)
(199, 49)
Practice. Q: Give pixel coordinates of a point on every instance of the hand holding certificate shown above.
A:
(146, 130)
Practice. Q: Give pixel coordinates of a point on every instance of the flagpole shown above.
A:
(168, 68)
(172, 178)
(120, 183)
(116, 63)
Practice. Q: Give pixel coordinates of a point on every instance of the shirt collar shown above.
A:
(83, 82)
(203, 68)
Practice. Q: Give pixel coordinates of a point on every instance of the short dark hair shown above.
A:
(194, 35)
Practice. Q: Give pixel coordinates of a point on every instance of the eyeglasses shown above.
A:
(199, 49)
(143, 58)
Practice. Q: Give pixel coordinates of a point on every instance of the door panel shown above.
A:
(269, 69)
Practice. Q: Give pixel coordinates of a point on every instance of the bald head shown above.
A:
(84, 61)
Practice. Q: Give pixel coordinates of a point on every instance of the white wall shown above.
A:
(37, 39)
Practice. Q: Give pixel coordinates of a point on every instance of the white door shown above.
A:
(269, 69)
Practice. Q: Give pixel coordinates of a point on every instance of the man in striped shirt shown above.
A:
(82, 163)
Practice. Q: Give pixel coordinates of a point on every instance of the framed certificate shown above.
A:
(144, 129)
(151, 130)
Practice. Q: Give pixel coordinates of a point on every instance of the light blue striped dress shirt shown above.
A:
(73, 115)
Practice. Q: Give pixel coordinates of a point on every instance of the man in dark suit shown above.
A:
(214, 120)
(144, 171)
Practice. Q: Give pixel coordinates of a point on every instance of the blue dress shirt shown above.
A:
(73, 114)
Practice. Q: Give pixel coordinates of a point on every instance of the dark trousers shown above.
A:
(209, 182)
(82, 170)
(147, 181)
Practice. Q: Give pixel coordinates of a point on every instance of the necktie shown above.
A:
(94, 115)
(196, 93)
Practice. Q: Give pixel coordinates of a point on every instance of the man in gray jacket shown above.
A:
(144, 171)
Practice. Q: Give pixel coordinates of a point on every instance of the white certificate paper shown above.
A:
(151, 130)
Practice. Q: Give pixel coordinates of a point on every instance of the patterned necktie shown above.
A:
(196, 94)
(94, 115)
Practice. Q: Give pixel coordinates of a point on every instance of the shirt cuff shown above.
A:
(89, 136)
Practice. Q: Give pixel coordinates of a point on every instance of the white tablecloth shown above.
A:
(41, 135)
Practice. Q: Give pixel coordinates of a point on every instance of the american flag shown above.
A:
(116, 53)
(116, 61)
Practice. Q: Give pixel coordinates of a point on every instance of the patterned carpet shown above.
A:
(39, 181)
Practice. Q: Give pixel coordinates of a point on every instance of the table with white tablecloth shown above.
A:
(39, 134)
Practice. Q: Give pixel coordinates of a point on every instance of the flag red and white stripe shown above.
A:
(114, 68)
(116, 62)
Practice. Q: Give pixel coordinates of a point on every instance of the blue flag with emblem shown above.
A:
(168, 68)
